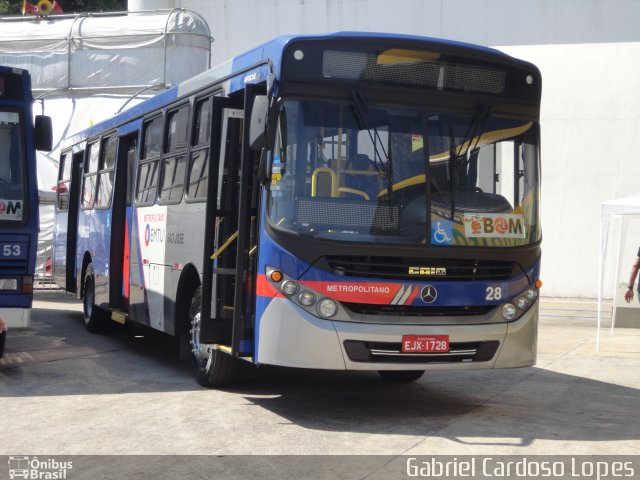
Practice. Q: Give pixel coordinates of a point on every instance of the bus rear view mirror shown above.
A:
(257, 128)
(264, 117)
(43, 133)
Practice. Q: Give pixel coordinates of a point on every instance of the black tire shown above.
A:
(3, 342)
(401, 375)
(94, 318)
(214, 368)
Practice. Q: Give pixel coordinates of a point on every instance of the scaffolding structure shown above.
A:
(116, 52)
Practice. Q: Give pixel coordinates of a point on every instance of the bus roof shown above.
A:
(253, 65)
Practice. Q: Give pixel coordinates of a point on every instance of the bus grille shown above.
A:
(386, 352)
(395, 268)
(419, 311)
(13, 267)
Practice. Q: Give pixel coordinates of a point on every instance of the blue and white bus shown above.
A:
(350, 201)
(18, 197)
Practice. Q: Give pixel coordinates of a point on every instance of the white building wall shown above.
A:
(589, 55)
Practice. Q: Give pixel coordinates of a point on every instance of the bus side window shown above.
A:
(106, 172)
(199, 160)
(64, 180)
(89, 178)
(175, 157)
(148, 170)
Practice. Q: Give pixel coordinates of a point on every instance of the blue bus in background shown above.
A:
(349, 201)
(18, 196)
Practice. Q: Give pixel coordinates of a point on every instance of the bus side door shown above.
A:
(61, 219)
(72, 222)
(120, 257)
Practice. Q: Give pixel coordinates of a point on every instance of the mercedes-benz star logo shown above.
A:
(429, 294)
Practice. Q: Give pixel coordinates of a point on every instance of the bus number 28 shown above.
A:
(494, 293)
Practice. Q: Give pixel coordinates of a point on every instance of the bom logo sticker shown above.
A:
(490, 225)
(11, 209)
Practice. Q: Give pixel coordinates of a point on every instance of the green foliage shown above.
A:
(14, 7)
(10, 7)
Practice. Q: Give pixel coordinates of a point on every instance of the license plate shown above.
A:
(425, 343)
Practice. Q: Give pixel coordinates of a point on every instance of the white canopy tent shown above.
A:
(47, 181)
(86, 67)
(621, 207)
(99, 52)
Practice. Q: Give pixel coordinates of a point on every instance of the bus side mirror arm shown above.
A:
(264, 167)
(43, 133)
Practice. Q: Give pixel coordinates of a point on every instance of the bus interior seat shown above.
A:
(359, 178)
(324, 182)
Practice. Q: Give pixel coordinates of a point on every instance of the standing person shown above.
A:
(628, 295)
(3, 336)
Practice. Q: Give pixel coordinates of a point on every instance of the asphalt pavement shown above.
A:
(65, 391)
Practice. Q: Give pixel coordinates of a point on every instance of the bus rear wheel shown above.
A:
(214, 368)
(401, 375)
(94, 318)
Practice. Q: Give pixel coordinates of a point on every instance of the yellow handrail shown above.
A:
(224, 246)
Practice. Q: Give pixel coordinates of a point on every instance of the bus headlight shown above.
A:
(289, 287)
(327, 307)
(8, 284)
(509, 311)
(531, 294)
(522, 303)
(307, 299)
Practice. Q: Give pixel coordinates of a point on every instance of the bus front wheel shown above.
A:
(214, 368)
(93, 316)
(401, 375)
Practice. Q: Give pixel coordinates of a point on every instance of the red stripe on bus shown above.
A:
(357, 292)
(265, 289)
(125, 261)
(413, 295)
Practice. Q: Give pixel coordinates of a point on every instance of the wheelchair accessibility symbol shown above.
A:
(441, 232)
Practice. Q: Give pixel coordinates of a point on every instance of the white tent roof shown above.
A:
(99, 52)
(619, 207)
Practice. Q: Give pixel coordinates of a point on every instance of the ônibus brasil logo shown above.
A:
(34, 468)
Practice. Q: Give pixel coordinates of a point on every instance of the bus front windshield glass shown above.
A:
(355, 172)
(11, 167)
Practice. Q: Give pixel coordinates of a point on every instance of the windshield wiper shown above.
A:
(363, 117)
(452, 170)
(459, 158)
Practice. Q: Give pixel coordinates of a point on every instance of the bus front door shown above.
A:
(226, 286)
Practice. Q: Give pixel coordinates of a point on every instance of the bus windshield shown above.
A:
(12, 178)
(357, 172)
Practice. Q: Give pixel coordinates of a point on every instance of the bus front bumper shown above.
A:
(16, 317)
(289, 336)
